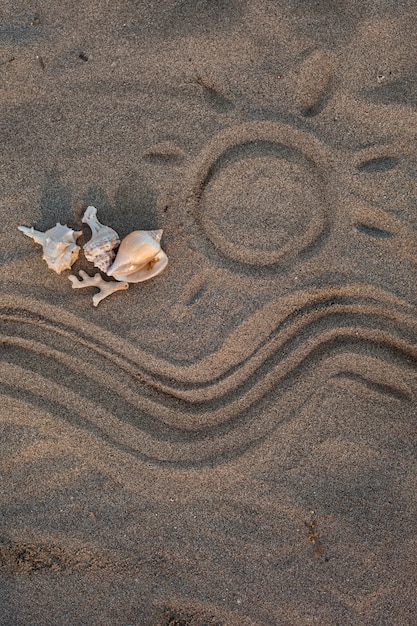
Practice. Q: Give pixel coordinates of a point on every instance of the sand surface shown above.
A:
(233, 442)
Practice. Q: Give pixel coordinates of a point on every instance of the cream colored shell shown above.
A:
(139, 257)
(60, 250)
(100, 248)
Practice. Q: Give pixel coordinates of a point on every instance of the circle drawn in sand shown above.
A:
(258, 190)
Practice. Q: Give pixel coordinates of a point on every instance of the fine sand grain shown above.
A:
(233, 442)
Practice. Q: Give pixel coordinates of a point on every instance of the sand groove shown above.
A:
(205, 411)
(258, 147)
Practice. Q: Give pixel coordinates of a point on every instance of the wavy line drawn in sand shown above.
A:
(231, 187)
(205, 413)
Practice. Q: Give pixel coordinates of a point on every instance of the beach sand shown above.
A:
(233, 442)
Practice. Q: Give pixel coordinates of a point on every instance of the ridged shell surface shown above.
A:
(99, 249)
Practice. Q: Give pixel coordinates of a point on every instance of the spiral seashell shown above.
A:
(100, 248)
(139, 257)
(60, 250)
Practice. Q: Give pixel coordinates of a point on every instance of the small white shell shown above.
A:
(139, 257)
(99, 250)
(59, 245)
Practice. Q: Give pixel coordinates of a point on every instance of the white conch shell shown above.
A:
(99, 250)
(139, 257)
(60, 250)
(106, 287)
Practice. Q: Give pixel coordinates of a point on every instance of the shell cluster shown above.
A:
(139, 256)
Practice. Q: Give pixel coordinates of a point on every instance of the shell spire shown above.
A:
(36, 235)
(156, 234)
